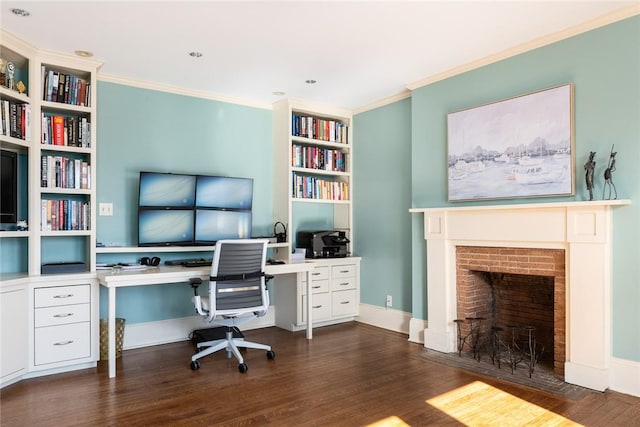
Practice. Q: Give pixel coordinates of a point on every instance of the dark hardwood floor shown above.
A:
(348, 375)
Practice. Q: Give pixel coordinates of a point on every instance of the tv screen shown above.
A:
(224, 192)
(161, 227)
(183, 209)
(166, 190)
(9, 188)
(213, 225)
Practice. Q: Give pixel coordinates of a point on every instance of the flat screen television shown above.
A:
(184, 210)
(9, 188)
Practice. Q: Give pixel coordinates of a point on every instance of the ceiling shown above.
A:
(358, 52)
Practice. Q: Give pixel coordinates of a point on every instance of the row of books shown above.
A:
(64, 172)
(64, 214)
(73, 131)
(65, 88)
(16, 119)
(318, 158)
(310, 187)
(317, 128)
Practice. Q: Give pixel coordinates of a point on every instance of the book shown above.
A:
(58, 130)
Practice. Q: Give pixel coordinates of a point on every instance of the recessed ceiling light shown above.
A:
(279, 92)
(84, 53)
(195, 54)
(20, 12)
(310, 81)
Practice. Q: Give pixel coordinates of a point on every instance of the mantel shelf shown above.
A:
(555, 205)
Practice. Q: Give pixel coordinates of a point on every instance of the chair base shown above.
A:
(232, 345)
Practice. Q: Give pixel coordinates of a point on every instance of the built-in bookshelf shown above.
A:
(312, 165)
(48, 119)
(67, 154)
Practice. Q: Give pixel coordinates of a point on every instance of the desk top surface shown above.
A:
(177, 273)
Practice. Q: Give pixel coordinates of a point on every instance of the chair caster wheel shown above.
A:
(271, 354)
(195, 365)
(243, 367)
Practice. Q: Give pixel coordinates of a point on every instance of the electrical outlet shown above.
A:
(389, 303)
(105, 209)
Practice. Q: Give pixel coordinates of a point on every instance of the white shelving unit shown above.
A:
(286, 168)
(324, 157)
(32, 319)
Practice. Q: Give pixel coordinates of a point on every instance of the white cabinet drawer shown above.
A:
(340, 271)
(60, 343)
(319, 273)
(321, 307)
(61, 295)
(344, 303)
(343, 283)
(317, 287)
(61, 315)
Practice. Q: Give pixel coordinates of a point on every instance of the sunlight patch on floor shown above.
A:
(479, 404)
(392, 421)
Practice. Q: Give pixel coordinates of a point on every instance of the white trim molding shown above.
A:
(625, 376)
(393, 320)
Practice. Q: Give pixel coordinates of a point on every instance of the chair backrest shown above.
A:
(237, 284)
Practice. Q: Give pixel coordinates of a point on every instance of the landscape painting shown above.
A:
(519, 147)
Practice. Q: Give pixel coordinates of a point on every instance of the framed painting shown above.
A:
(518, 147)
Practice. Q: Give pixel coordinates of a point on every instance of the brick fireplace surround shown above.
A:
(579, 230)
(531, 266)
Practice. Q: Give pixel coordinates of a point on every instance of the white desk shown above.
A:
(176, 274)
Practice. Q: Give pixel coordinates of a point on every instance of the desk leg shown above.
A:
(112, 332)
(309, 305)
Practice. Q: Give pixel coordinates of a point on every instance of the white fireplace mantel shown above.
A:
(582, 229)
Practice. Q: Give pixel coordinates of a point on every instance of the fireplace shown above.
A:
(514, 288)
(578, 233)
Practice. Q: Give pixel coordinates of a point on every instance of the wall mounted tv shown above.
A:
(184, 210)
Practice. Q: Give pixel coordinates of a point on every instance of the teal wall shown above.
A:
(150, 130)
(382, 195)
(604, 65)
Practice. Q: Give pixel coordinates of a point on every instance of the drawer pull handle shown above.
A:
(64, 342)
(315, 287)
(317, 306)
(344, 271)
(315, 274)
(63, 315)
(344, 283)
(344, 302)
(63, 296)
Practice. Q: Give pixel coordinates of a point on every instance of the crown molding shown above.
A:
(110, 78)
(610, 18)
(384, 101)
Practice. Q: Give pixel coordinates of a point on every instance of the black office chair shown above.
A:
(237, 293)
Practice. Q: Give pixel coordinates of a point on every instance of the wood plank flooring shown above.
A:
(348, 375)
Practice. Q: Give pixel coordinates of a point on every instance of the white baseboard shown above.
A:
(625, 376)
(174, 330)
(386, 318)
(416, 330)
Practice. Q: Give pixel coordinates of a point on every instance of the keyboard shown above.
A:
(197, 263)
(194, 262)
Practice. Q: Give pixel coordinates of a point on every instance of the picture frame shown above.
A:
(513, 148)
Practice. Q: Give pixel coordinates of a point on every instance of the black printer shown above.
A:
(323, 244)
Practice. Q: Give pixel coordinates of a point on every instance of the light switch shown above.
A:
(106, 209)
